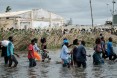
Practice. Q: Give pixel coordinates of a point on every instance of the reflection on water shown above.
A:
(53, 70)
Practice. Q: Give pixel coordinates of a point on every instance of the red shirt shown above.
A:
(31, 51)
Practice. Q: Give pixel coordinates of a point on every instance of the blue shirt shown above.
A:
(81, 54)
(10, 49)
(109, 48)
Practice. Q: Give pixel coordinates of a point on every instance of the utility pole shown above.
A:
(107, 10)
(91, 13)
(113, 11)
(113, 6)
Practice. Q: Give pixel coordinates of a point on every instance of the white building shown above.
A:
(36, 18)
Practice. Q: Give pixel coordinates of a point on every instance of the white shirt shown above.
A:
(36, 48)
(64, 52)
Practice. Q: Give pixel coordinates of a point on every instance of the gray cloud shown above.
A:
(78, 10)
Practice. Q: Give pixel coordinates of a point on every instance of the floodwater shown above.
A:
(53, 70)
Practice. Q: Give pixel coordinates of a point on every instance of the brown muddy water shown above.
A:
(53, 70)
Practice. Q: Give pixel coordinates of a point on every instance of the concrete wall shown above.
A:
(40, 24)
(6, 23)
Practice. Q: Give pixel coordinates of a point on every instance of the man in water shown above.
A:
(31, 57)
(110, 50)
(3, 46)
(81, 55)
(10, 53)
(65, 54)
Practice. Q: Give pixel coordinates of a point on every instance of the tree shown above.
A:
(8, 8)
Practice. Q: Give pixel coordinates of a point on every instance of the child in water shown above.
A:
(44, 51)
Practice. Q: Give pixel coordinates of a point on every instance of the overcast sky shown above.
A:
(78, 10)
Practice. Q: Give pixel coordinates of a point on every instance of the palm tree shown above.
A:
(8, 8)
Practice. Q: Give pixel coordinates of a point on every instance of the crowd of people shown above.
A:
(76, 57)
(8, 53)
(7, 47)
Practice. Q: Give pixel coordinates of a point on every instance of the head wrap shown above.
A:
(65, 41)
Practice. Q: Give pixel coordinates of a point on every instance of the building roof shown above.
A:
(13, 14)
(41, 13)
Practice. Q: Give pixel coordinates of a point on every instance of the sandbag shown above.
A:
(37, 56)
(4, 43)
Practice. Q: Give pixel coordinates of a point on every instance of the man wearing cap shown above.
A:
(65, 54)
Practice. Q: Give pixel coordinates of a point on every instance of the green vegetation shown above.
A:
(54, 37)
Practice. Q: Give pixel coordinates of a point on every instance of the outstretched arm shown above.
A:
(70, 45)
